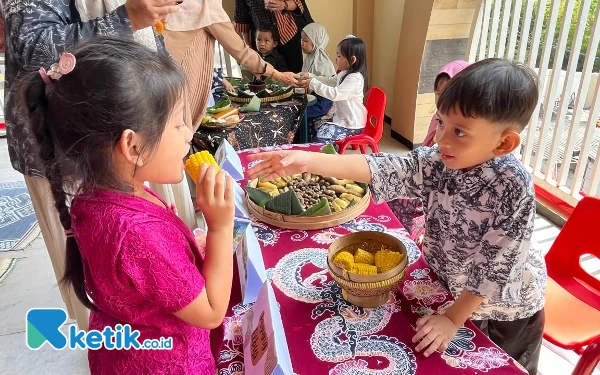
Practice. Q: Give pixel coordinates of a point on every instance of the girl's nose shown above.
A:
(189, 135)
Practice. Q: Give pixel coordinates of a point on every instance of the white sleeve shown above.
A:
(350, 88)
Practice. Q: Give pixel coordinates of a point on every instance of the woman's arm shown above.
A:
(225, 34)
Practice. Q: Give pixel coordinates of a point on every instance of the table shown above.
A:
(327, 335)
(275, 124)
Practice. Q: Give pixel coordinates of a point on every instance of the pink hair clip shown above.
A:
(65, 65)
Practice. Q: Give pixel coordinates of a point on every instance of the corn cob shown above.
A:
(385, 260)
(364, 269)
(344, 260)
(365, 257)
(193, 163)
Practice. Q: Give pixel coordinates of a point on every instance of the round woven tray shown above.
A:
(306, 222)
(217, 126)
(263, 100)
(367, 290)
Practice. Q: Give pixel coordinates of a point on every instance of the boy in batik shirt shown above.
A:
(478, 201)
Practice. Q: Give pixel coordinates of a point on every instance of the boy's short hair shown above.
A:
(269, 29)
(497, 90)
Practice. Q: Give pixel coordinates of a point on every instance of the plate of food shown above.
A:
(307, 201)
(268, 90)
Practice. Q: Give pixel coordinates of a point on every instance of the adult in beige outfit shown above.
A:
(190, 36)
(38, 32)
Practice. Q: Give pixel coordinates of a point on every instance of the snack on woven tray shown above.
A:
(193, 163)
(365, 263)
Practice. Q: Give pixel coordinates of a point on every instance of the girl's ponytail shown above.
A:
(36, 100)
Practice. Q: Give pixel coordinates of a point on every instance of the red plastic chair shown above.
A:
(589, 359)
(573, 295)
(373, 131)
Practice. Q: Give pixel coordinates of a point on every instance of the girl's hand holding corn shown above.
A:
(214, 197)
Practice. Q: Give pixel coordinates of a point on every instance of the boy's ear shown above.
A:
(509, 142)
(275, 43)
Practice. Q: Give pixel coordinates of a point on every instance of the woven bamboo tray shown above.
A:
(263, 100)
(306, 222)
(367, 290)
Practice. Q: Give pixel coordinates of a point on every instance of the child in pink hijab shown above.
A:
(448, 71)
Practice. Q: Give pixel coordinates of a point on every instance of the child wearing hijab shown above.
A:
(314, 41)
(448, 71)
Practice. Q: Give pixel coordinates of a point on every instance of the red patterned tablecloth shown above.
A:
(327, 335)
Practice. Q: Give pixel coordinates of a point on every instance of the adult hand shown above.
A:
(287, 78)
(275, 5)
(434, 332)
(278, 164)
(146, 13)
(227, 85)
(214, 197)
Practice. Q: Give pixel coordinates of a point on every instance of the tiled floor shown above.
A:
(32, 284)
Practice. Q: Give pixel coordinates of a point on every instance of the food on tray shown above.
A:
(244, 88)
(344, 260)
(364, 269)
(315, 194)
(363, 256)
(366, 263)
(253, 106)
(193, 163)
(385, 259)
(222, 113)
(220, 106)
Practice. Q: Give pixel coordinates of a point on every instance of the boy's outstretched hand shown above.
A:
(278, 164)
(434, 333)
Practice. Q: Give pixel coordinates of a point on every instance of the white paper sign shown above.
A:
(229, 160)
(265, 345)
(251, 266)
(239, 198)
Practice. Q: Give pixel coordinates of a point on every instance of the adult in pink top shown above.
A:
(448, 71)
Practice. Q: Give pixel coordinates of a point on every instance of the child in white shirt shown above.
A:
(346, 90)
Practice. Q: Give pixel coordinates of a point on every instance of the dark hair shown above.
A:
(356, 47)
(269, 29)
(117, 84)
(439, 78)
(497, 90)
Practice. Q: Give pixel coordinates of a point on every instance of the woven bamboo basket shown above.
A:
(263, 100)
(367, 290)
(309, 222)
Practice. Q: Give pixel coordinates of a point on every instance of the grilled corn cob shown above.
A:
(385, 260)
(193, 163)
(364, 269)
(365, 257)
(344, 260)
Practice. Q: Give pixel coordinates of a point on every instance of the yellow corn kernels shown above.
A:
(193, 163)
(363, 256)
(385, 260)
(344, 260)
(364, 269)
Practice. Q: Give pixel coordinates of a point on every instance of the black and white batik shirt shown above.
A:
(478, 227)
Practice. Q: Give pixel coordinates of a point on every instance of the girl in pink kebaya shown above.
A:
(109, 117)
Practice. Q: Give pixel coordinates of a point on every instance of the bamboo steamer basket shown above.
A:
(309, 222)
(367, 290)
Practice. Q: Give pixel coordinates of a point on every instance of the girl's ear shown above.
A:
(353, 60)
(130, 146)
